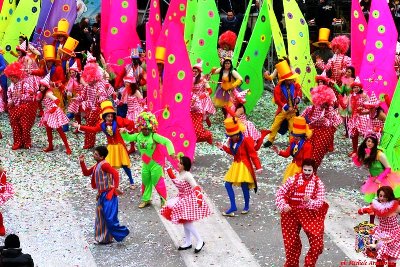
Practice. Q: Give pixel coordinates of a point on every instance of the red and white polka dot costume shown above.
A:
(308, 215)
(184, 207)
(22, 110)
(53, 116)
(201, 91)
(135, 107)
(91, 98)
(323, 122)
(196, 113)
(358, 122)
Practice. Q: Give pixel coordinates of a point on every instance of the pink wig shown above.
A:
(341, 43)
(322, 94)
(16, 70)
(227, 38)
(91, 73)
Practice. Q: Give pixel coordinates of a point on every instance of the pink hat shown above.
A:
(199, 66)
(22, 47)
(240, 96)
(74, 67)
(322, 77)
(90, 58)
(356, 82)
(46, 80)
(372, 102)
(130, 78)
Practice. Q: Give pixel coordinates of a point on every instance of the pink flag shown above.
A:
(358, 35)
(121, 35)
(377, 69)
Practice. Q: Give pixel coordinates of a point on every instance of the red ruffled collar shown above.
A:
(384, 209)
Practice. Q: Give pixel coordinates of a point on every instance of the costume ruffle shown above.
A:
(370, 187)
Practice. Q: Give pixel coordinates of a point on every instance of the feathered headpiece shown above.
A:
(15, 69)
(91, 73)
(322, 94)
(228, 38)
(147, 120)
(341, 43)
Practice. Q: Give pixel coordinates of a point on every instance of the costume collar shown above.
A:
(384, 209)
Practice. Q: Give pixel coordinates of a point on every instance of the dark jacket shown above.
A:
(13, 257)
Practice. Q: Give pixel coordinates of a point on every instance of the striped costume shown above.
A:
(337, 64)
(105, 179)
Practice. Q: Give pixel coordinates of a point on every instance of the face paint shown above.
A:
(308, 170)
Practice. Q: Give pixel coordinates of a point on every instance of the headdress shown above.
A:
(284, 71)
(341, 42)
(356, 82)
(240, 96)
(234, 126)
(323, 94)
(15, 69)
(46, 80)
(106, 107)
(70, 46)
(300, 127)
(74, 67)
(323, 37)
(91, 73)
(322, 77)
(129, 78)
(147, 120)
(373, 102)
(199, 66)
(227, 38)
(22, 47)
(62, 28)
(90, 58)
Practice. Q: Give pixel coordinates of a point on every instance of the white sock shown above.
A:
(196, 234)
(187, 238)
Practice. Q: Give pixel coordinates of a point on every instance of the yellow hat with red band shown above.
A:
(285, 72)
(160, 54)
(106, 107)
(69, 46)
(62, 28)
(323, 37)
(233, 126)
(300, 127)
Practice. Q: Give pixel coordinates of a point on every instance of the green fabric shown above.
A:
(376, 168)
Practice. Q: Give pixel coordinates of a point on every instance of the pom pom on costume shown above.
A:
(52, 110)
(228, 39)
(15, 69)
(322, 94)
(341, 43)
(91, 73)
(384, 174)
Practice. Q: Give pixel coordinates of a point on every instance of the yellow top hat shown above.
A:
(284, 71)
(49, 52)
(234, 126)
(323, 37)
(70, 46)
(300, 127)
(62, 28)
(160, 54)
(106, 107)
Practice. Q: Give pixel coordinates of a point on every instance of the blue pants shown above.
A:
(107, 225)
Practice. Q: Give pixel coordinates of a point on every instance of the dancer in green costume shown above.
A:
(152, 171)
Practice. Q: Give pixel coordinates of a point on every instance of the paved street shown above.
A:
(53, 209)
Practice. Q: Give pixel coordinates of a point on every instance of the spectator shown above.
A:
(365, 7)
(95, 47)
(395, 9)
(80, 32)
(325, 14)
(231, 23)
(11, 254)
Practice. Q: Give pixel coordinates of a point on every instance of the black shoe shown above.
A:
(185, 248)
(267, 144)
(198, 250)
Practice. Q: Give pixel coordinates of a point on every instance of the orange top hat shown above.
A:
(323, 37)
(106, 107)
(233, 126)
(300, 127)
(284, 71)
(160, 54)
(70, 46)
(49, 52)
(62, 28)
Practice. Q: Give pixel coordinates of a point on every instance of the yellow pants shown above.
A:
(283, 115)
